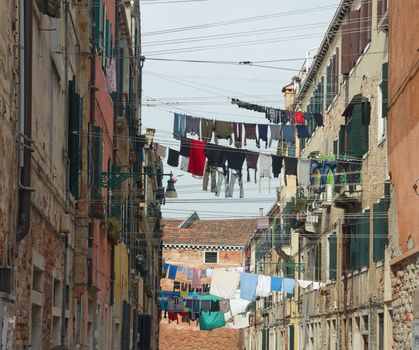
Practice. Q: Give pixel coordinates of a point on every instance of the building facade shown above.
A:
(81, 186)
(335, 230)
(403, 127)
(204, 244)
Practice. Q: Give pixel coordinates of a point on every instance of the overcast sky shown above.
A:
(257, 30)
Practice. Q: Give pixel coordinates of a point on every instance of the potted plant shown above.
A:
(113, 227)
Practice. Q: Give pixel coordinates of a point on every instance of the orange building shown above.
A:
(403, 136)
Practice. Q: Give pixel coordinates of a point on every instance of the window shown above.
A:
(380, 331)
(380, 229)
(211, 257)
(37, 280)
(57, 293)
(359, 241)
(382, 101)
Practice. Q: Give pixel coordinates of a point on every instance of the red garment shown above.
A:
(173, 316)
(299, 118)
(197, 158)
(196, 278)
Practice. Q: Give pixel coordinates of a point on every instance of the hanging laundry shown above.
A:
(318, 118)
(240, 321)
(270, 114)
(209, 273)
(288, 285)
(290, 166)
(165, 267)
(189, 273)
(291, 117)
(248, 285)
(302, 131)
(265, 166)
(173, 317)
(215, 306)
(224, 283)
(197, 158)
(299, 118)
(235, 159)
(304, 172)
(303, 284)
(216, 155)
(211, 320)
(205, 305)
(192, 125)
(249, 132)
(238, 306)
(238, 134)
(184, 163)
(207, 127)
(316, 285)
(173, 158)
(263, 288)
(223, 176)
(225, 305)
(288, 133)
(275, 133)
(276, 284)
(283, 116)
(172, 272)
(307, 116)
(203, 274)
(179, 126)
(234, 176)
(196, 278)
(276, 165)
(251, 163)
(161, 151)
(210, 171)
(185, 147)
(223, 130)
(263, 134)
(327, 166)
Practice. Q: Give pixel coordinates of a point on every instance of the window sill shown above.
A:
(379, 263)
(381, 141)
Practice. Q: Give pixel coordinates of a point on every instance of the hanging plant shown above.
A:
(113, 228)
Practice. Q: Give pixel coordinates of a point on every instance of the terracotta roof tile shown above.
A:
(216, 232)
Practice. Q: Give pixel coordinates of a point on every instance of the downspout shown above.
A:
(25, 120)
(64, 298)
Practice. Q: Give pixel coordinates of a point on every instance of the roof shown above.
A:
(229, 232)
(290, 86)
(332, 31)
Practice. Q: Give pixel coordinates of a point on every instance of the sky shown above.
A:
(275, 34)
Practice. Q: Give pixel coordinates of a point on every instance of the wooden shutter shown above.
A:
(346, 47)
(342, 148)
(74, 138)
(357, 144)
(364, 240)
(380, 229)
(332, 257)
(329, 83)
(353, 243)
(336, 73)
(354, 35)
(318, 271)
(98, 17)
(384, 90)
(321, 95)
(97, 150)
(364, 24)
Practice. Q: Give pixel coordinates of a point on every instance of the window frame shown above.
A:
(205, 256)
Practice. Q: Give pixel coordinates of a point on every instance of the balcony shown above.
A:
(349, 198)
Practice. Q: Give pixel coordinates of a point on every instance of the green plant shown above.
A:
(113, 228)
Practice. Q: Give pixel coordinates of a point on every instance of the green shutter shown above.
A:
(364, 240)
(380, 229)
(384, 90)
(332, 257)
(98, 11)
(291, 336)
(97, 145)
(353, 243)
(357, 144)
(321, 95)
(342, 141)
(329, 85)
(74, 138)
(318, 271)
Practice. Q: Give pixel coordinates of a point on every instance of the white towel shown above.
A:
(224, 283)
(263, 288)
(238, 306)
(304, 284)
(316, 285)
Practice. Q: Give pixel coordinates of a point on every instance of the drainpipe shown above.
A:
(25, 119)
